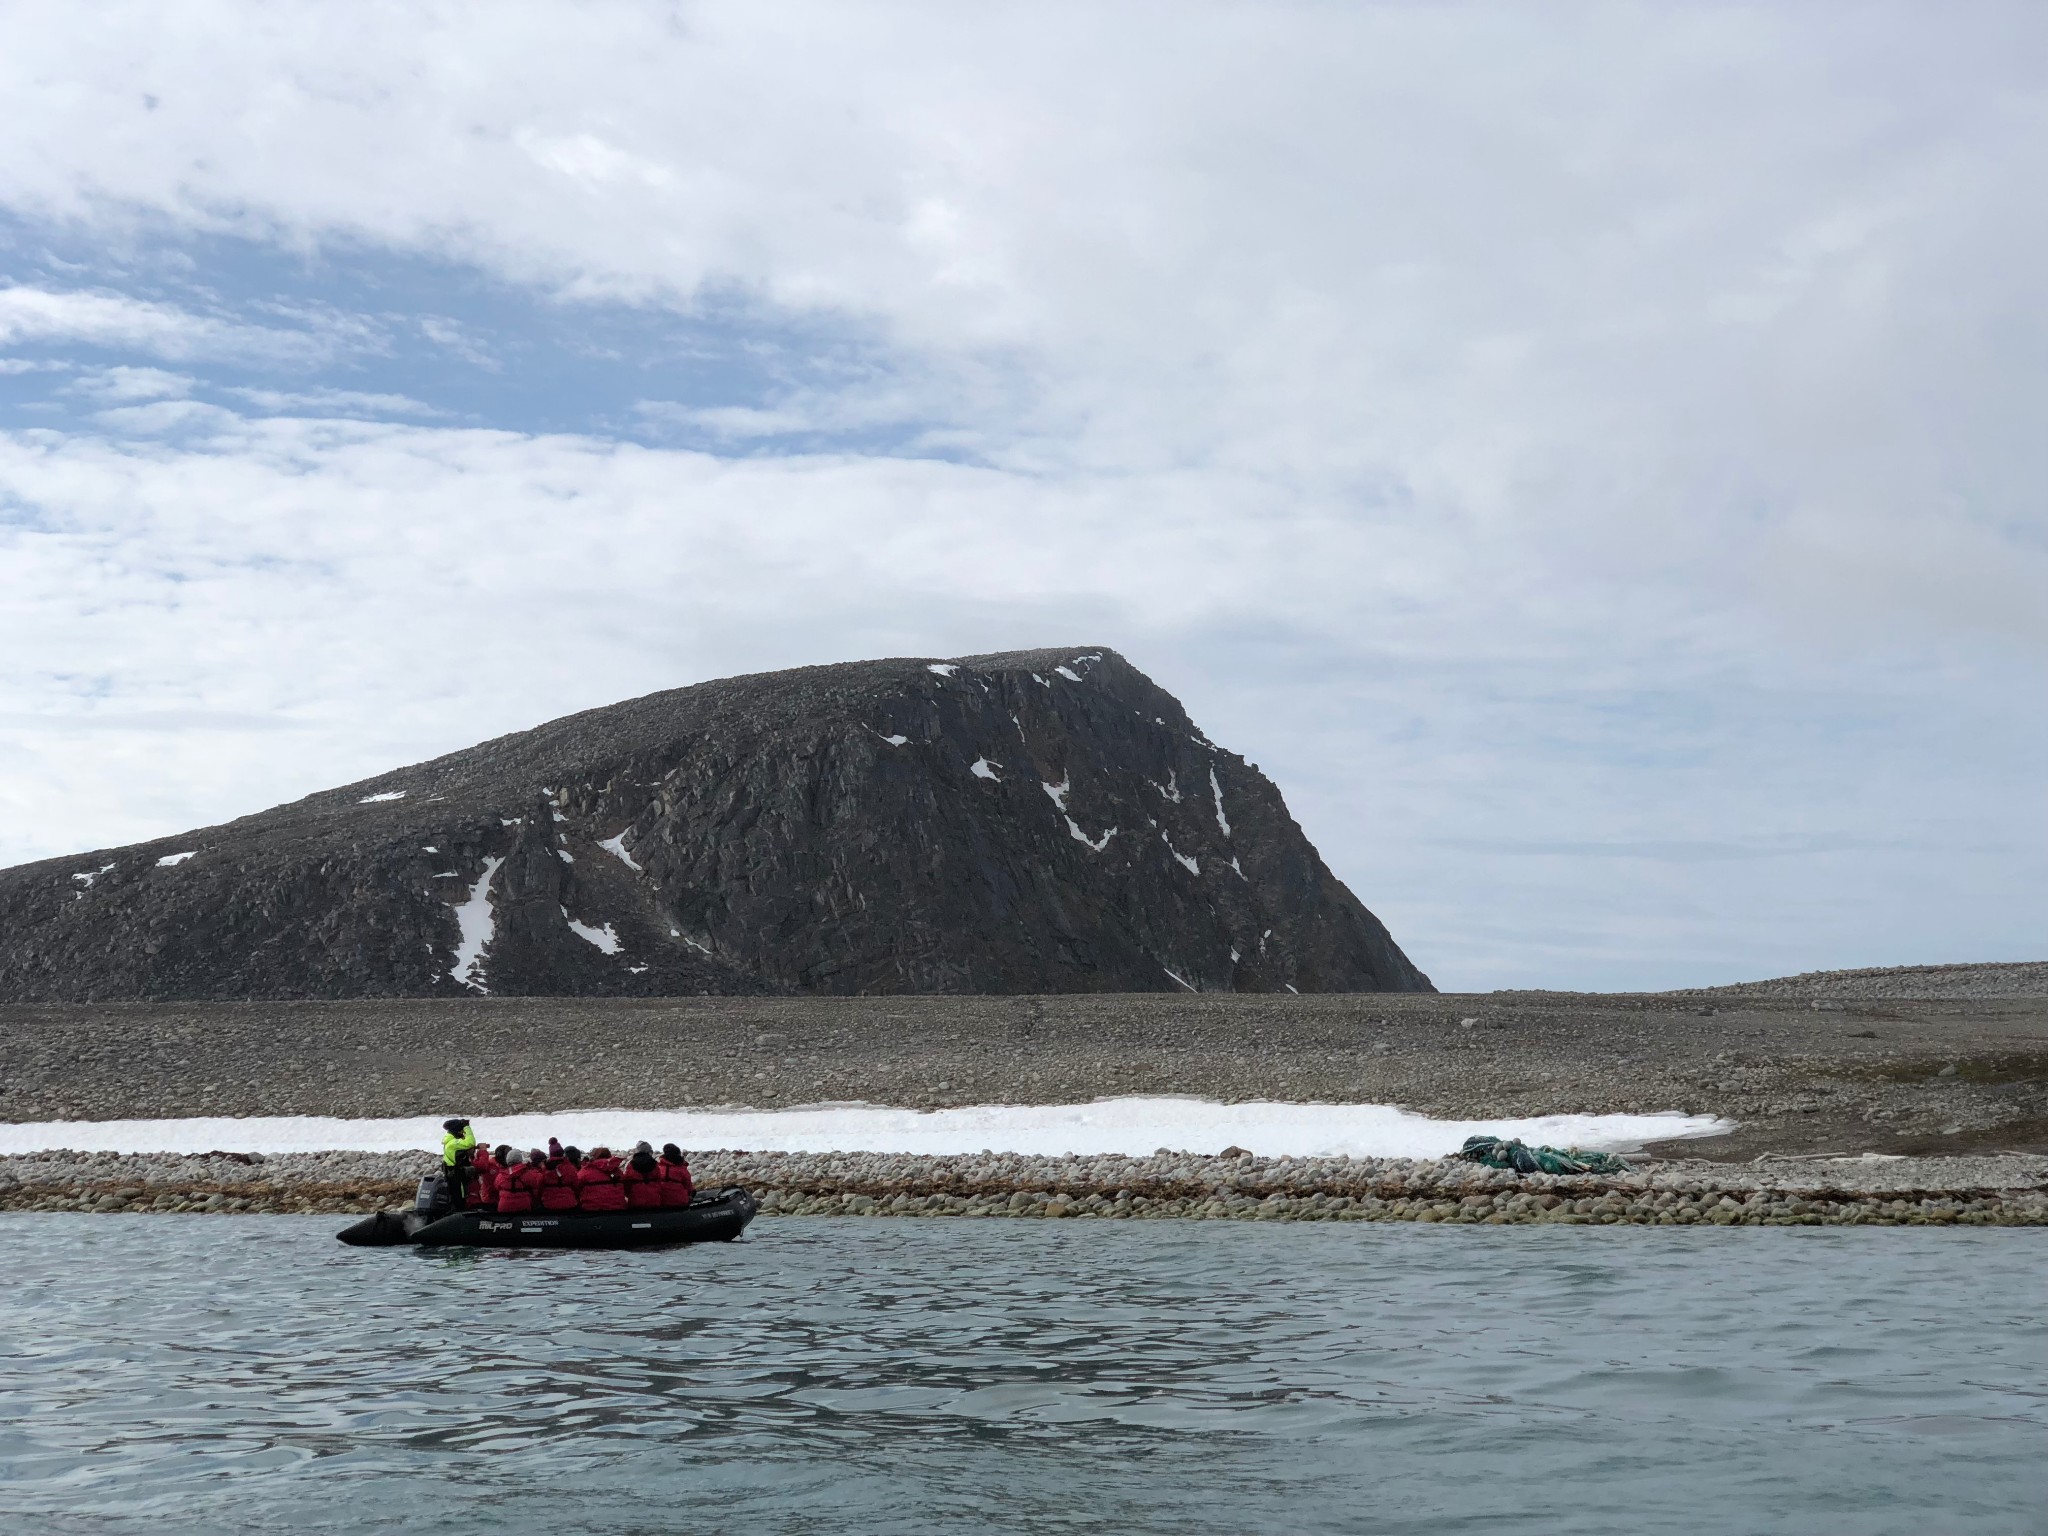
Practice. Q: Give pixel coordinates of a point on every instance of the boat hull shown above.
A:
(717, 1217)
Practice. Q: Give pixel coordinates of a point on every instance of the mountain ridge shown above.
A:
(998, 823)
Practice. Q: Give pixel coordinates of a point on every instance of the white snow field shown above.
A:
(1128, 1126)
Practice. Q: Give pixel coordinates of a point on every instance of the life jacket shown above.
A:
(675, 1183)
(643, 1190)
(598, 1187)
(482, 1188)
(558, 1186)
(516, 1187)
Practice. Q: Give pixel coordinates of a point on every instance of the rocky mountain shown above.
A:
(1045, 821)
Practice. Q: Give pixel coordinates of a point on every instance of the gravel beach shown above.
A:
(1831, 1064)
(1969, 1191)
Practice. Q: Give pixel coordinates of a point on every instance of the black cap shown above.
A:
(453, 1126)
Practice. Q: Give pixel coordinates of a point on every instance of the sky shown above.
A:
(1588, 455)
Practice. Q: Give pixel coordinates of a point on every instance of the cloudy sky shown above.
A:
(1591, 456)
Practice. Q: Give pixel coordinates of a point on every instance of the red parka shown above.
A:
(675, 1183)
(482, 1187)
(558, 1186)
(517, 1188)
(598, 1187)
(643, 1190)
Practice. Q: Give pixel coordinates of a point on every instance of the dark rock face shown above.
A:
(1044, 821)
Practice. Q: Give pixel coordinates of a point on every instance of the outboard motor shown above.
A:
(388, 1229)
(433, 1199)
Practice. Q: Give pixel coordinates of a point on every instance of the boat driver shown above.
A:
(458, 1144)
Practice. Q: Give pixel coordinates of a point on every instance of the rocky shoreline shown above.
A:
(1958, 1191)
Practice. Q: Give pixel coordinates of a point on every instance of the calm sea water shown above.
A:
(218, 1374)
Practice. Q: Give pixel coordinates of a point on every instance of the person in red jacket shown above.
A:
(558, 1182)
(642, 1179)
(482, 1189)
(520, 1183)
(509, 1159)
(675, 1176)
(597, 1182)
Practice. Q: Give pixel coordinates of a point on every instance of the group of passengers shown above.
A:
(566, 1178)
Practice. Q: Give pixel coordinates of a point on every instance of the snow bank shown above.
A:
(1127, 1126)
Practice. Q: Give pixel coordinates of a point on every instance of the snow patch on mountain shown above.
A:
(1097, 844)
(477, 922)
(603, 938)
(1216, 789)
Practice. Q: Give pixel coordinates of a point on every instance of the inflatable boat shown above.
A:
(717, 1216)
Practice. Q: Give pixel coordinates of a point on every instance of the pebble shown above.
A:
(1961, 1191)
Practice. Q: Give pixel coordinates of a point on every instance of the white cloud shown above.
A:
(30, 314)
(163, 416)
(122, 385)
(1516, 270)
(855, 408)
(96, 318)
(336, 402)
(733, 423)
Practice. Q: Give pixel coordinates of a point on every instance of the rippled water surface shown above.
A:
(224, 1374)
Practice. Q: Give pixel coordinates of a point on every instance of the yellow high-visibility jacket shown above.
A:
(453, 1146)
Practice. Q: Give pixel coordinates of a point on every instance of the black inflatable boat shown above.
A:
(717, 1216)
